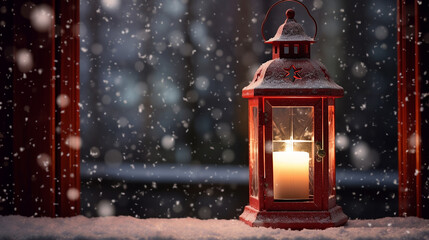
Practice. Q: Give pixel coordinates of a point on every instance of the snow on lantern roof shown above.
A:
(290, 31)
(292, 77)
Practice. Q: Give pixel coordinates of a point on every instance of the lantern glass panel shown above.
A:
(254, 151)
(292, 143)
(331, 126)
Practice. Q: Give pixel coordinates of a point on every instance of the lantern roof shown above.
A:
(290, 31)
(292, 77)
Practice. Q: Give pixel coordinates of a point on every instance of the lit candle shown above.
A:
(291, 175)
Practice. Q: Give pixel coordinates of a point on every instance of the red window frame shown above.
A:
(40, 126)
(409, 116)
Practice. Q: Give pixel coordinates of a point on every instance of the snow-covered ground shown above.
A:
(18, 227)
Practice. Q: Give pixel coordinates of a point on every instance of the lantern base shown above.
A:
(294, 219)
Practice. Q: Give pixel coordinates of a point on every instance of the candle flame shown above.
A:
(289, 145)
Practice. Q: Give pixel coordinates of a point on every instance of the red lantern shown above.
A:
(292, 136)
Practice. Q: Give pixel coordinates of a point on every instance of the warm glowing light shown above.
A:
(291, 173)
(289, 146)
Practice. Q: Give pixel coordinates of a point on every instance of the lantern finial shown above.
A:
(290, 14)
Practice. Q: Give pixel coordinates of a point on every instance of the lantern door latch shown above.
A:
(320, 152)
(264, 118)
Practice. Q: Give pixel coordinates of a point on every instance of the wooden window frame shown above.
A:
(409, 116)
(41, 155)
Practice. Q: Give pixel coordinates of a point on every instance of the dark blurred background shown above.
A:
(163, 124)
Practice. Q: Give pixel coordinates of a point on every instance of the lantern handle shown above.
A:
(281, 1)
